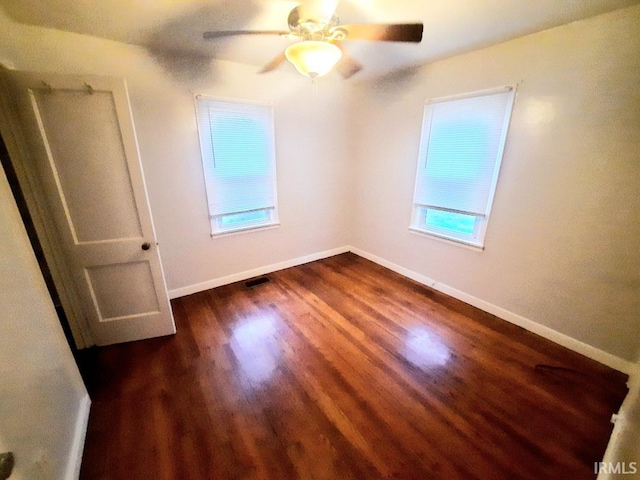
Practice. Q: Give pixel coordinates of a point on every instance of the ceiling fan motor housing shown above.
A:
(315, 29)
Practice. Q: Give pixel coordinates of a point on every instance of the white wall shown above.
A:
(624, 444)
(43, 402)
(310, 138)
(562, 246)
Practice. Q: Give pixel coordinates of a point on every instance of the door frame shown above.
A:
(19, 153)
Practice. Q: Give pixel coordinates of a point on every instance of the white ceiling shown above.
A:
(172, 27)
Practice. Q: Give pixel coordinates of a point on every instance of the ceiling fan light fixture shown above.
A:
(313, 58)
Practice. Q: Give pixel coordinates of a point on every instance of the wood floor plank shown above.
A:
(342, 369)
(401, 400)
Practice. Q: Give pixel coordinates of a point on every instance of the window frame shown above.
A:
(419, 211)
(216, 220)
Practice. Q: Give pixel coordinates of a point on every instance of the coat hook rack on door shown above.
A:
(48, 89)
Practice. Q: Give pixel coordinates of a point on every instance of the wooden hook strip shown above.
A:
(47, 87)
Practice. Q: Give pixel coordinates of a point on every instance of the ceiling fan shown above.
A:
(319, 47)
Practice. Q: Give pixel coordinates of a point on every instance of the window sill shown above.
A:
(450, 240)
(240, 231)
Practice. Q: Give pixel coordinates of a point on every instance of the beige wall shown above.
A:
(562, 246)
(624, 444)
(43, 402)
(310, 139)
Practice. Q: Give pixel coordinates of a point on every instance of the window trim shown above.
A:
(418, 211)
(423, 210)
(443, 239)
(274, 220)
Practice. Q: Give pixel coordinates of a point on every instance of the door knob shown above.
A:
(146, 246)
(6, 465)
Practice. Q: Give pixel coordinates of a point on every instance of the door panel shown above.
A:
(96, 150)
(80, 133)
(123, 290)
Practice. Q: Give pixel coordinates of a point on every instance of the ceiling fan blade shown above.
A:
(347, 66)
(403, 32)
(233, 33)
(273, 64)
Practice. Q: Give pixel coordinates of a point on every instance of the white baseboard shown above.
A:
(79, 435)
(589, 351)
(238, 277)
(405, 272)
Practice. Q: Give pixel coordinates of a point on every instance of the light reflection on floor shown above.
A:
(250, 342)
(423, 348)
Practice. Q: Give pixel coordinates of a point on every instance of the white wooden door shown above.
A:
(82, 148)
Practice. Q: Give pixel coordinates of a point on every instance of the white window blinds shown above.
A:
(238, 154)
(460, 151)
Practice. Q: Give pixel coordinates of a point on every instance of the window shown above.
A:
(238, 155)
(460, 152)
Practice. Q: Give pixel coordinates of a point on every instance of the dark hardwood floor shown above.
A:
(342, 369)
